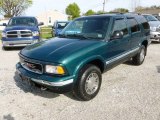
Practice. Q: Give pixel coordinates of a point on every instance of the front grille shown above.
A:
(31, 66)
(19, 34)
(158, 29)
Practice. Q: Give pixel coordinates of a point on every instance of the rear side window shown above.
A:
(133, 25)
(145, 25)
(120, 25)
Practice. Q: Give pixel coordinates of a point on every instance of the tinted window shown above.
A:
(90, 27)
(61, 25)
(142, 20)
(133, 25)
(22, 21)
(120, 25)
(150, 18)
(145, 25)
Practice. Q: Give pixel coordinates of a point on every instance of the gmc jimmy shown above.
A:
(85, 49)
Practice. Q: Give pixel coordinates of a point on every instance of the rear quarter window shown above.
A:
(146, 25)
(143, 21)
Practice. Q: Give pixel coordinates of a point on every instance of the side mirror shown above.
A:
(40, 24)
(117, 35)
(4, 24)
(53, 27)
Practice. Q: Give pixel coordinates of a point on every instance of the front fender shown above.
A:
(86, 61)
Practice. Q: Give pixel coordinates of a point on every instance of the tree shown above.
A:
(120, 10)
(100, 12)
(10, 8)
(73, 10)
(89, 12)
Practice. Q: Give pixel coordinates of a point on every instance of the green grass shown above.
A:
(46, 32)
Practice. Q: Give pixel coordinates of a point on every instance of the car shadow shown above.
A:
(129, 62)
(13, 49)
(36, 89)
(155, 42)
(8, 117)
(158, 69)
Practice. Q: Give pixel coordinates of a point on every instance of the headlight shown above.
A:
(3, 34)
(35, 33)
(54, 69)
(153, 29)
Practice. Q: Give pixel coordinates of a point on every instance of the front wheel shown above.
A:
(89, 83)
(140, 57)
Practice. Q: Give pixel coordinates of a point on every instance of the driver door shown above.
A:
(118, 47)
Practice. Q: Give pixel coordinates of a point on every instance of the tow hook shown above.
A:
(43, 88)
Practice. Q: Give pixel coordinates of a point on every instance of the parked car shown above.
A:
(157, 16)
(20, 31)
(58, 27)
(85, 49)
(154, 27)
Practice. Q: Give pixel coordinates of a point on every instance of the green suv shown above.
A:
(84, 50)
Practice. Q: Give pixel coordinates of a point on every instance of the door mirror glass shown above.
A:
(117, 35)
(4, 24)
(40, 24)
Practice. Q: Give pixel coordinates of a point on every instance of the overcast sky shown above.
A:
(60, 5)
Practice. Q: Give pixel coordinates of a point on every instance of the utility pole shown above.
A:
(104, 4)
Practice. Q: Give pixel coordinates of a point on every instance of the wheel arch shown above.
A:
(96, 60)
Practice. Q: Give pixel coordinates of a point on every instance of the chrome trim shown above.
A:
(57, 84)
(19, 34)
(25, 67)
(121, 56)
(17, 43)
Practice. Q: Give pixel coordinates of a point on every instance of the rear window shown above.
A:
(133, 24)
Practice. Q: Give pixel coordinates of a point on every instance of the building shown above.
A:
(49, 17)
(150, 11)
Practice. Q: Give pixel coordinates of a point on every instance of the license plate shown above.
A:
(25, 78)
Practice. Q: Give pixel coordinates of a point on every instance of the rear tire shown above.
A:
(88, 83)
(140, 57)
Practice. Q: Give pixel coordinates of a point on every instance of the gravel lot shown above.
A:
(128, 93)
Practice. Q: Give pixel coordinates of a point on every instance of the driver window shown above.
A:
(120, 25)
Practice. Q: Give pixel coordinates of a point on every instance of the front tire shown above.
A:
(88, 83)
(140, 57)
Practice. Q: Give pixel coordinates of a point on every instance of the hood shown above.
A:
(32, 28)
(58, 49)
(154, 23)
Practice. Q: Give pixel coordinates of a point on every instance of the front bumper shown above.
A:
(18, 43)
(155, 35)
(57, 84)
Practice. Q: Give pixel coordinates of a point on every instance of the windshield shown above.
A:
(62, 25)
(88, 28)
(150, 18)
(22, 21)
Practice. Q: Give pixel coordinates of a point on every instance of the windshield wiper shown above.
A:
(79, 36)
(73, 35)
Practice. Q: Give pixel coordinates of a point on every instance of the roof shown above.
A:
(24, 17)
(115, 15)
